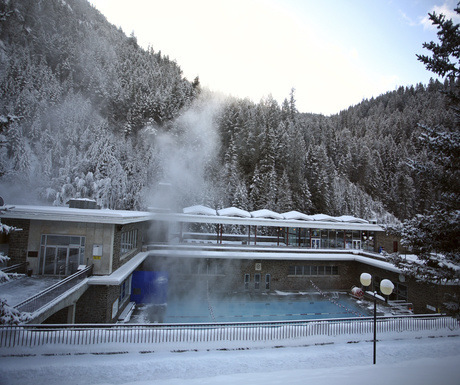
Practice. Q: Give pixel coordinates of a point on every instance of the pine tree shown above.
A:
(434, 236)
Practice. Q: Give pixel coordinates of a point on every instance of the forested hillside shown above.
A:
(86, 112)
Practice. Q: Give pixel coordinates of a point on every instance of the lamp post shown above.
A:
(386, 287)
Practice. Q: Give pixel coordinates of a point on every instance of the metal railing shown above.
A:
(18, 268)
(93, 334)
(44, 297)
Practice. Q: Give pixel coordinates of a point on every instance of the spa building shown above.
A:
(103, 260)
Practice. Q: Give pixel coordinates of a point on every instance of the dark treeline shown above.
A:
(84, 112)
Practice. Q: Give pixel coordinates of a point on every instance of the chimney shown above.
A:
(82, 203)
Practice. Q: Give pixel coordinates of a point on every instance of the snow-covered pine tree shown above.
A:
(434, 236)
(8, 315)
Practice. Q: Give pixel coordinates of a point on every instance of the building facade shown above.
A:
(225, 252)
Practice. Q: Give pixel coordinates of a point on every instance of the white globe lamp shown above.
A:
(386, 286)
(365, 279)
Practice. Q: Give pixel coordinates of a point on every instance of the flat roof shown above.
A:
(264, 254)
(217, 219)
(66, 214)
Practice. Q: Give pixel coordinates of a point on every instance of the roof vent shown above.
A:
(82, 203)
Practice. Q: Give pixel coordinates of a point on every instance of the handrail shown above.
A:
(37, 301)
(90, 334)
(14, 268)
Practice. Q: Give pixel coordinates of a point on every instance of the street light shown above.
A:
(386, 287)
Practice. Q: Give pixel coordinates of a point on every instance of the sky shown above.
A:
(334, 53)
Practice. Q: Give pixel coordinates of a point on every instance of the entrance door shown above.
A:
(315, 243)
(73, 260)
(50, 258)
(61, 260)
(357, 244)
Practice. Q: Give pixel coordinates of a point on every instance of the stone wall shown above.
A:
(230, 278)
(95, 306)
(389, 243)
(17, 240)
(227, 276)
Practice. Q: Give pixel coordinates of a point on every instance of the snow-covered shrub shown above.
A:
(11, 316)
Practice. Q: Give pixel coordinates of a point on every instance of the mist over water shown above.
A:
(187, 154)
(187, 159)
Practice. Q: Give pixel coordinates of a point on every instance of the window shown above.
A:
(125, 290)
(257, 281)
(400, 292)
(309, 270)
(267, 282)
(128, 241)
(247, 279)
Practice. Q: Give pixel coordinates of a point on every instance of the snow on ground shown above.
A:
(20, 288)
(404, 360)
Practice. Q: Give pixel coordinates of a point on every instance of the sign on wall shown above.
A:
(97, 251)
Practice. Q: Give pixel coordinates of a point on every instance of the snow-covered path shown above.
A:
(399, 361)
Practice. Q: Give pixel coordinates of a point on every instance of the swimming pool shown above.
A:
(247, 308)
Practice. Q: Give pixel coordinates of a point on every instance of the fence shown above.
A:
(35, 335)
(41, 299)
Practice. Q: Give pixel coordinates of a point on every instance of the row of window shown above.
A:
(257, 277)
(313, 270)
(128, 241)
(329, 239)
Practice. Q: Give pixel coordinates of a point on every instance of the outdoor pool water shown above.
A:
(246, 308)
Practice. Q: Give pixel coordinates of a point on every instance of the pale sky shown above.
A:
(334, 53)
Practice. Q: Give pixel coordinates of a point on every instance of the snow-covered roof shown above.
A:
(350, 219)
(275, 253)
(234, 212)
(199, 210)
(119, 275)
(297, 216)
(324, 218)
(268, 214)
(235, 216)
(66, 214)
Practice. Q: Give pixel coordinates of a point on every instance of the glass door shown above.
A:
(357, 244)
(61, 259)
(73, 260)
(61, 254)
(315, 243)
(49, 262)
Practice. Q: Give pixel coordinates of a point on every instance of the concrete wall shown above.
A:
(95, 233)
